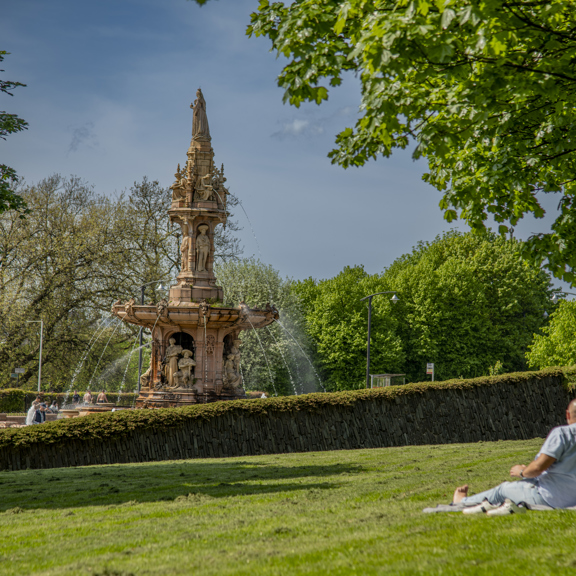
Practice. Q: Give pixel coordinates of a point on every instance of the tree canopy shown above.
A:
(486, 89)
(556, 346)
(465, 303)
(75, 254)
(9, 124)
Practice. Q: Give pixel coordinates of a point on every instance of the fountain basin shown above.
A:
(88, 409)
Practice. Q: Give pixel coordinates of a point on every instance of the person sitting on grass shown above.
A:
(549, 480)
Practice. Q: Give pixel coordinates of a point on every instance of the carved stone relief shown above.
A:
(162, 309)
(129, 307)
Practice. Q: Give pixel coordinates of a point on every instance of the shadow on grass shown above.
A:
(167, 481)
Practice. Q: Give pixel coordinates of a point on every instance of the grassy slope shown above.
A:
(349, 512)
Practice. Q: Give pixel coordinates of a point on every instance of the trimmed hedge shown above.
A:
(117, 425)
(18, 400)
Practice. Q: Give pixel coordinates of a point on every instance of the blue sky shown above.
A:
(109, 85)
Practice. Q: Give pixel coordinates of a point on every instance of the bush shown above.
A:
(112, 426)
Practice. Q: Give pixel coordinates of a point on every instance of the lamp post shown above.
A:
(142, 290)
(40, 362)
(556, 296)
(394, 299)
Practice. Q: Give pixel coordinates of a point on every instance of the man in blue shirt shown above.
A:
(549, 480)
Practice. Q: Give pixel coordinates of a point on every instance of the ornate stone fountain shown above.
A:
(195, 355)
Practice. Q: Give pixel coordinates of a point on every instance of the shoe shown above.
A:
(480, 508)
(507, 508)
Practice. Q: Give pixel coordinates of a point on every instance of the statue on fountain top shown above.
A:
(200, 129)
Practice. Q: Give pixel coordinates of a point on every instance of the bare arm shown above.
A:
(535, 468)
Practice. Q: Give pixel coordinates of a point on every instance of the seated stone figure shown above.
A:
(185, 366)
(145, 379)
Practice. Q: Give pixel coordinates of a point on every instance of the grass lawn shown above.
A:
(347, 512)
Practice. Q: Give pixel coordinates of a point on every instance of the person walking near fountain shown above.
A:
(102, 398)
(76, 398)
(87, 397)
(40, 410)
(31, 416)
(38, 416)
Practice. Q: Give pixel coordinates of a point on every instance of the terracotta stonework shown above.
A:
(195, 354)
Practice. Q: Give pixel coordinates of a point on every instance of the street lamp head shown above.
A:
(545, 314)
(394, 299)
(555, 298)
(161, 286)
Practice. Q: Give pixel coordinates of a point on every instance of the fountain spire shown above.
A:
(198, 206)
(195, 350)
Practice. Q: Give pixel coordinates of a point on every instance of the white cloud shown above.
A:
(313, 126)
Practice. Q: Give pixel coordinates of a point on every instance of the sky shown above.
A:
(109, 87)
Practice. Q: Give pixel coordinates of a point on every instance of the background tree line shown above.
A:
(467, 303)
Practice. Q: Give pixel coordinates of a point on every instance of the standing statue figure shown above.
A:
(231, 378)
(185, 248)
(235, 352)
(172, 353)
(202, 248)
(200, 127)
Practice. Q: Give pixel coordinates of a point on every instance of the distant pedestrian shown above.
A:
(43, 409)
(38, 414)
(87, 397)
(31, 416)
(76, 398)
(53, 407)
(102, 398)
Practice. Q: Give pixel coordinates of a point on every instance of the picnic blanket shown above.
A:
(460, 507)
